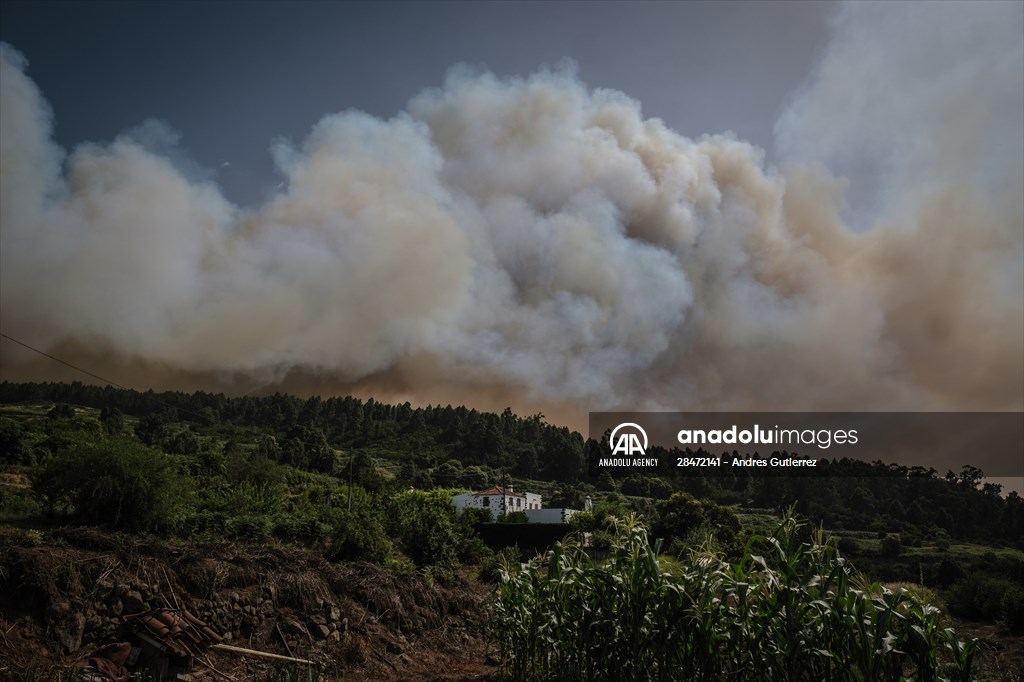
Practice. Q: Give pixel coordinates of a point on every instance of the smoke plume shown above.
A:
(536, 237)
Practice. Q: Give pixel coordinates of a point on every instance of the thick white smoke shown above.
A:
(912, 99)
(542, 237)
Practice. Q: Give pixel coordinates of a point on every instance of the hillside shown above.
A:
(330, 521)
(356, 621)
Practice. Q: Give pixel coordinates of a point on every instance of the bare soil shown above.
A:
(63, 592)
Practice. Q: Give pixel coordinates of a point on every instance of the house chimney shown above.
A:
(510, 490)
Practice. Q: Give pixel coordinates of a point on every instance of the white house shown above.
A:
(498, 501)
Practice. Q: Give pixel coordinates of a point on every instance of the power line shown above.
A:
(87, 372)
(63, 362)
(159, 399)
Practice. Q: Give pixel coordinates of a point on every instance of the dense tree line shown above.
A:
(843, 494)
(428, 436)
(462, 447)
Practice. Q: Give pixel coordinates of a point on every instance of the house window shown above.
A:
(487, 502)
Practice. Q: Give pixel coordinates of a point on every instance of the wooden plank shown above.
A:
(262, 654)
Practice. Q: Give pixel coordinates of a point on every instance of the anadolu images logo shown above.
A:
(629, 442)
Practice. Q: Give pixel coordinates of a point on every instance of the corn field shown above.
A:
(794, 611)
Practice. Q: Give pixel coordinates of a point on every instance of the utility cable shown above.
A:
(78, 369)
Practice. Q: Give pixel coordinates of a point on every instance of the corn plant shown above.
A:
(787, 610)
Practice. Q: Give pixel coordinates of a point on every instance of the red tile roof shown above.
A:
(499, 491)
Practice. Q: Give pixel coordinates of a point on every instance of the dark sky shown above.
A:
(233, 76)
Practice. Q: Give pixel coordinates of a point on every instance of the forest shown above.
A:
(447, 446)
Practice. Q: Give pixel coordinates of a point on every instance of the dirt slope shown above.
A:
(63, 592)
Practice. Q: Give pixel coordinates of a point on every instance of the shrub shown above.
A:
(184, 442)
(249, 527)
(18, 503)
(473, 515)
(399, 564)
(978, 597)
(600, 514)
(949, 572)
(660, 488)
(490, 570)
(960, 598)
(681, 515)
(474, 478)
(119, 483)
(1011, 608)
(849, 546)
(14, 443)
(211, 463)
(253, 468)
(308, 529)
(425, 524)
(152, 429)
(892, 546)
(473, 549)
(250, 498)
(64, 436)
(61, 411)
(359, 536)
(637, 485)
(202, 522)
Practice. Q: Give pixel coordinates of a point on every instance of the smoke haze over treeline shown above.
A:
(537, 241)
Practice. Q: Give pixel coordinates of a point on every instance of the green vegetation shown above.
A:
(112, 480)
(159, 476)
(787, 609)
(366, 481)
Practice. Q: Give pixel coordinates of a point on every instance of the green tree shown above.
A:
(563, 454)
(682, 514)
(293, 452)
(892, 546)
(422, 480)
(184, 442)
(113, 420)
(118, 483)
(637, 485)
(449, 473)
(426, 526)
(151, 429)
(526, 461)
(566, 496)
(14, 447)
(660, 488)
(61, 411)
(358, 536)
(268, 448)
(474, 478)
(606, 482)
